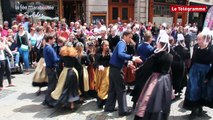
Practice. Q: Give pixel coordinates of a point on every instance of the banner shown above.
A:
(209, 19)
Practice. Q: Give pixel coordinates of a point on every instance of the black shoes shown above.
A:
(105, 110)
(128, 112)
(201, 112)
(45, 103)
(197, 112)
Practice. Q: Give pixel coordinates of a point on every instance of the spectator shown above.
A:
(23, 46)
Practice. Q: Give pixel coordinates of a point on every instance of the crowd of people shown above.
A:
(78, 61)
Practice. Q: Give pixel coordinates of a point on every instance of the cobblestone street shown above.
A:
(21, 102)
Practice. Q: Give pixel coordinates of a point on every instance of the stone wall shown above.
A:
(141, 10)
(101, 6)
(95, 6)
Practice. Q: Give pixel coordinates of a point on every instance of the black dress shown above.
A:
(113, 41)
(155, 98)
(136, 39)
(184, 54)
(83, 73)
(198, 92)
(102, 78)
(178, 70)
(67, 89)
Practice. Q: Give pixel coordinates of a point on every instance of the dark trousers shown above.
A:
(8, 71)
(33, 55)
(52, 81)
(2, 70)
(116, 90)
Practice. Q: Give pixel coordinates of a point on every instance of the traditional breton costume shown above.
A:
(155, 99)
(129, 77)
(199, 93)
(83, 73)
(102, 77)
(180, 55)
(145, 50)
(113, 41)
(67, 89)
(91, 72)
(40, 78)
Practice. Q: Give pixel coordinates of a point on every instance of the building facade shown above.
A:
(159, 12)
(89, 11)
(110, 10)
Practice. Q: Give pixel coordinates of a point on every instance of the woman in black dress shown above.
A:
(67, 90)
(155, 98)
(200, 86)
(102, 73)
(83, 59)
(180, 56)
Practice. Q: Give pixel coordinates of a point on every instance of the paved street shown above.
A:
(20, 102)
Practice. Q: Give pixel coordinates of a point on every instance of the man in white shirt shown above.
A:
(193, 31)
(97, 30)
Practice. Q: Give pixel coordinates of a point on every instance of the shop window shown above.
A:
(44, 10)
(124, 13)
(96, 17)
(114, 13)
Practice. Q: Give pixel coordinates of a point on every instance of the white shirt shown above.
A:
(2, 56)
(39, 39)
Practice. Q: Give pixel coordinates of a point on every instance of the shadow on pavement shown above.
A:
(186, 117)
(29, 108)
(180, 106)
(99, 114)
(89, 106)
(40, 111)
(32, 96)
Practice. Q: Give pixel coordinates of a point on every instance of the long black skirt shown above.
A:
(155, 99)
(70, 89)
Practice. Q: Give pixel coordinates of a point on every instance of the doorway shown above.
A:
(73, 11)
(180, 17)
(121, 8)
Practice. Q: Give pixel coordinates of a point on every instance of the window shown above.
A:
(34, 9)
(125, 1)
(183, 2)
(162, 10)
(124, 13)
(96, 17)
(122, 1)
(114, 13)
